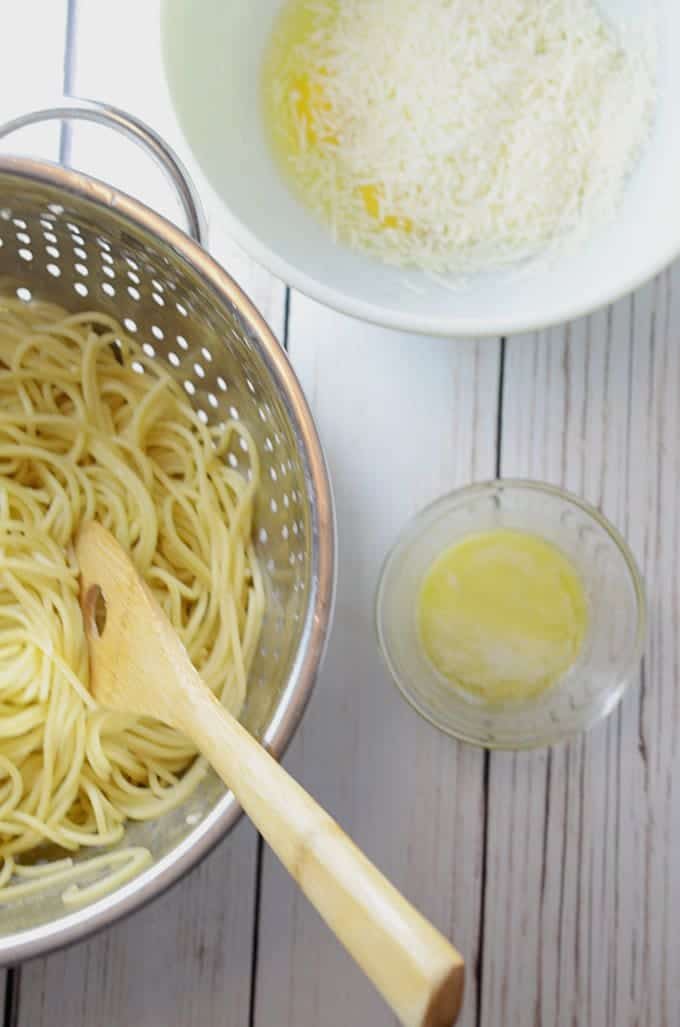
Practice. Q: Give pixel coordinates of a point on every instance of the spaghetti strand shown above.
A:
(84, 434)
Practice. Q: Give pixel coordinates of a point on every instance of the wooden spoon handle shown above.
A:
(416, 970)
(139, 665)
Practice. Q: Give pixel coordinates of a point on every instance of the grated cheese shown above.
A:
(454, 134)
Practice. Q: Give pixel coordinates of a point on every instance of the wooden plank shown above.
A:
(403, 420)
(186, 960)
(31, 73)
(583, 888)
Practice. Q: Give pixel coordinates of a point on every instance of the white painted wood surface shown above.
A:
(554, 872)
(583, 883)
(403, 420)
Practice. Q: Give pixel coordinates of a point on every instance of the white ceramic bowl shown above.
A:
(212, 56)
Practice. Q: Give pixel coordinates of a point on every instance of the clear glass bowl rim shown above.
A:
(460, 496)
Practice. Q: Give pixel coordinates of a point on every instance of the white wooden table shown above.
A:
(557, 873)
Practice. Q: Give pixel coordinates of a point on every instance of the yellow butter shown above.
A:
(502, 614)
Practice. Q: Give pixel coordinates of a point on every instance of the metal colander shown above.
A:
(75, 241)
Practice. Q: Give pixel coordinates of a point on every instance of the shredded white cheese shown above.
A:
(454, 134)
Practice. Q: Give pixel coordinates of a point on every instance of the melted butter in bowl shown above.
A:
(511, 614)
(502, 614)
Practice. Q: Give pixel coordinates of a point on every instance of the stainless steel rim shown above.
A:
(71, 108)
(75, 926)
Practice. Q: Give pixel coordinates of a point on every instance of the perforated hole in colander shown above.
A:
(56, 252)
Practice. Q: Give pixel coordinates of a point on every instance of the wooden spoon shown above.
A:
(138, 665)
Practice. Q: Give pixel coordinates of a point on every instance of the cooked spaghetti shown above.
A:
(91, 429)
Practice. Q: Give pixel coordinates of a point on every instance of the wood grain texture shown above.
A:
(403, 419)
(582, 884)
(583, 888)
(186, 960)
(139, 666)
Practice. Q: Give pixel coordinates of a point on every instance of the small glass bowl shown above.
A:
(611, 651)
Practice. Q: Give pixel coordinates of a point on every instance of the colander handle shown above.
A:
(74, 108)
